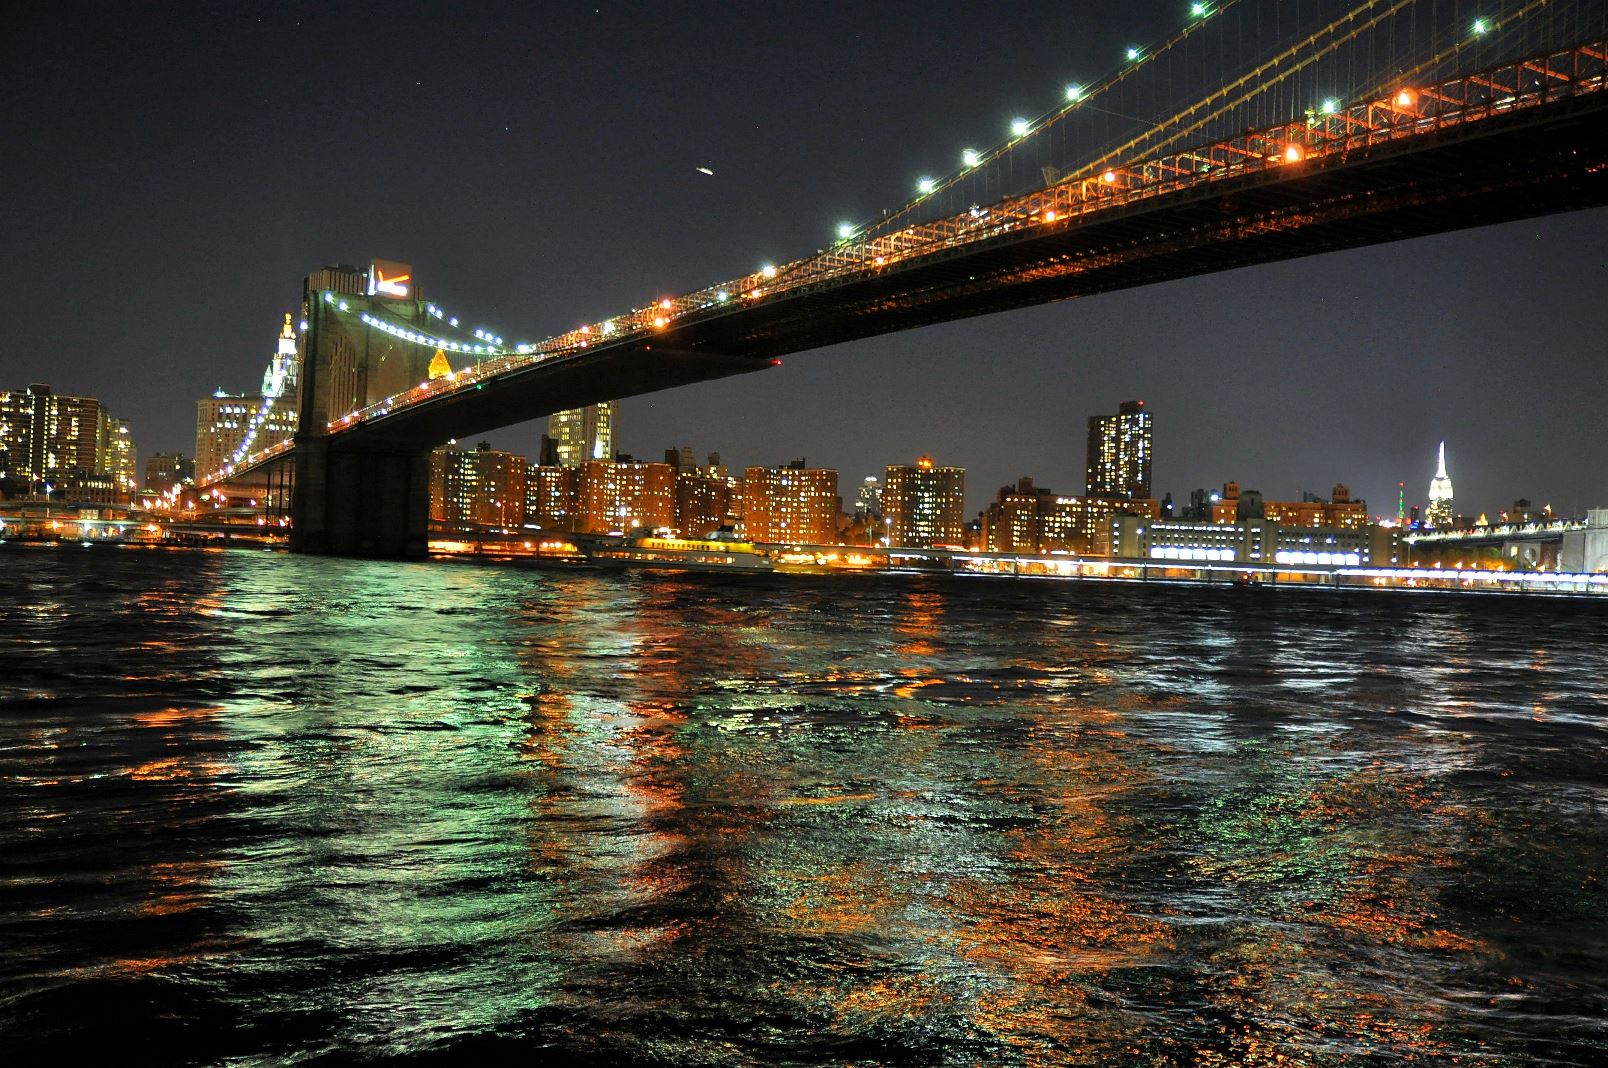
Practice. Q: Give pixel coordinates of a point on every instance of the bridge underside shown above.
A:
(365, 489)
(1545, 160)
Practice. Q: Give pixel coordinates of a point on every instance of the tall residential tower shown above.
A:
(924, 505)
(1119, 453)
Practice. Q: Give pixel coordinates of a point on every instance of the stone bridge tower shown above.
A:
(372, 501)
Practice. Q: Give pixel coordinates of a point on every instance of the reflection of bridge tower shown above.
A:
(1439, 512)
(373, 499)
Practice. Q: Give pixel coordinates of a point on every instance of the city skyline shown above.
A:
(1287, 377)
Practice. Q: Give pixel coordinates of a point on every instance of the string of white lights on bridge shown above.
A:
(1329, 124)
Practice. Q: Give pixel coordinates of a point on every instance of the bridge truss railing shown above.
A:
(1407, 112)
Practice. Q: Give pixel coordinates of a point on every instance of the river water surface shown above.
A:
(260, 809)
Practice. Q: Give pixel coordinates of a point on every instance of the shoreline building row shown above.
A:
(486, 488)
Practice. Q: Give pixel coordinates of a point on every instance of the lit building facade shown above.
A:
(925, 505)
(868, 501)
(64, 448)
(1029, 519)
(791, 504)
(1082, 525)
(1249, 541)
(703, 500)
(625, 497)
(1439, 512)
(1234, 504)
(582, 434)
(229, 426)
(479, 488)
(122, 462)
(1012, 521)
(1119, 454)
(551, 497)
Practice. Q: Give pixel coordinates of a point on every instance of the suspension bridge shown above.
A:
(1344, 125)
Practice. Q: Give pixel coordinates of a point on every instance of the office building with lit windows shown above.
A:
(582, 434)
(1119, 455)
(63, 448)
(794, 504)
(477, 489)
(924, 505)
(622, 497)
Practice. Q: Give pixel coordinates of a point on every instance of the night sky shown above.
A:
(168, 176)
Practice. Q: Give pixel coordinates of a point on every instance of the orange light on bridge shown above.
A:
(1293, 154)
(1050, 216)
(1405, 98)
(1109, 177)
(659, 321)
(665, 304)
(880, 260)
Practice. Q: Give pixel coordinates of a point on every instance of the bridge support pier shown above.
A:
(360, 503)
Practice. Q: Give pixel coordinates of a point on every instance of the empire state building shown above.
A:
(1439, 512)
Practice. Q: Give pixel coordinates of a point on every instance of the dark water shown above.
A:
(257, 809)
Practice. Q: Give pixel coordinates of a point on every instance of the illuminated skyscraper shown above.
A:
(925, 505)
(1119, 453)
(1439, 512)
(582, 434)
(231, 426)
